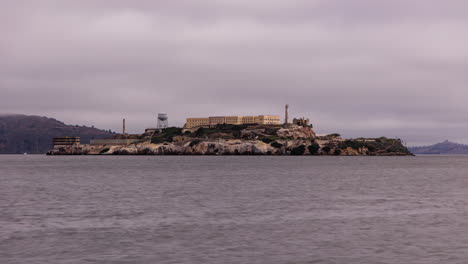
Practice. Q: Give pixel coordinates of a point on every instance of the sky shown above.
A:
(366, 68)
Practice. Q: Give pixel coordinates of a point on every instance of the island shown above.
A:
(297, 138)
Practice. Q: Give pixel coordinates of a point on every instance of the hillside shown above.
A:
(34, 134)
(445, 147)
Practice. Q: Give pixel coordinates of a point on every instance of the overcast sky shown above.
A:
(396, 68)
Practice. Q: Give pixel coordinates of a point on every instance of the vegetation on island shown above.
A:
(166, 135)
(299, 150)
(313, 148)
(375, 144)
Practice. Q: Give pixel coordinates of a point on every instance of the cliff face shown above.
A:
(254, 140)
(34, 134)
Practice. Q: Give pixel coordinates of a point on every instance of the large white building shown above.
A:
(233, 120)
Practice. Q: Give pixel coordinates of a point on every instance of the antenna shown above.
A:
(162, 121)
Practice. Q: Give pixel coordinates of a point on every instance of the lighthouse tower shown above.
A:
(286, 114)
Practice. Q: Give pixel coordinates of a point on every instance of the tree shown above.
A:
(298, 150)
(314, 148)
(275, 144)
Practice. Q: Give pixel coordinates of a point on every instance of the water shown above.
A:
(122, 209)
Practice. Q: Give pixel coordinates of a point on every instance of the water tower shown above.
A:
(162, 121)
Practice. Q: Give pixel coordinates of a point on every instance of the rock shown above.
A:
(285, 141)
(253, 132)
(296, 132)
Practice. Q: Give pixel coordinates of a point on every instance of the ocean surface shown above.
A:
(231, 209)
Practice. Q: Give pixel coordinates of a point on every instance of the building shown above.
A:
(197, 122)
(301, 121)
(66, 141)
(232, 120)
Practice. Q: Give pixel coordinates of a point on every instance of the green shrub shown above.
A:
(166, 135)
(229, 127)
(157, 140)
(276, 144)
(298, 150)
(326, 149)
(233, 130)
(236, 134)
(375, 144)
(200, 132)
(194, 143)
(271, 130)
(104, 150)
(172, 131)
(382, 140)
(314, 148)
(270, 139)
(371, 147)
(397, 148)
(237, 127)
(337, 152)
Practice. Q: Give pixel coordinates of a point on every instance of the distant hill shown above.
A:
(445, 147)
(34, 134)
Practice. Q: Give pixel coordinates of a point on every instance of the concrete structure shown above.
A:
(232, 120)
(123, 127)
(163, 121)
(66, 141)
(286, 114)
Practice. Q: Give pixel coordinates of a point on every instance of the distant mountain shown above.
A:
(34, 134)
(445, 147)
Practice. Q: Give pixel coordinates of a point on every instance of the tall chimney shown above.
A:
(286, 116)
(123, 127)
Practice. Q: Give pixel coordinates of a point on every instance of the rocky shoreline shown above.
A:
(243, 140)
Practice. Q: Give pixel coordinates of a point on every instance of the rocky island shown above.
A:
(245, 139)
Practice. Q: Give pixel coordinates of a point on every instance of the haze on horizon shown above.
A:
(361, 68)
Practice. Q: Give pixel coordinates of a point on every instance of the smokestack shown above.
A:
(286, 116)
(123, 127)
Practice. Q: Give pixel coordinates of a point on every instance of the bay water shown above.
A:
(233, 209)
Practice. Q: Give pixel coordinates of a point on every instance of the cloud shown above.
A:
(363, 67)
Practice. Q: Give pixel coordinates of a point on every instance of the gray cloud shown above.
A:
(361, 68)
